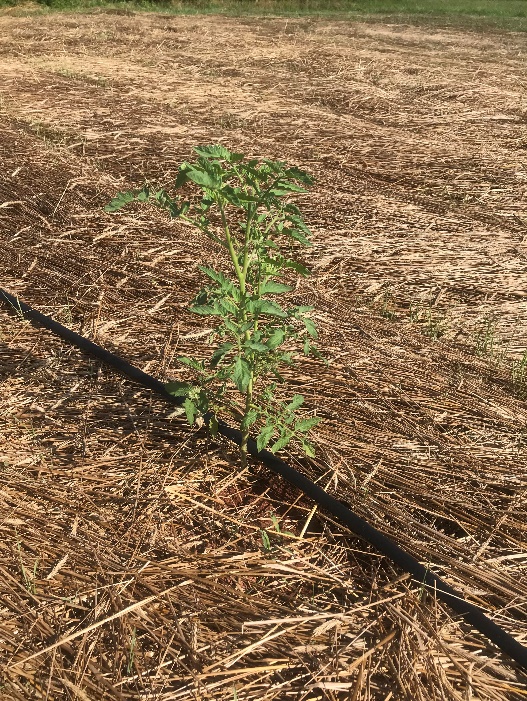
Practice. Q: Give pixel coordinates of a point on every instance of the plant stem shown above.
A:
(232, 252)
(250, 216)
(245, 430)
(241, 274)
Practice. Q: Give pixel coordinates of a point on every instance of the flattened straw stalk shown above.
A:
(471, 613)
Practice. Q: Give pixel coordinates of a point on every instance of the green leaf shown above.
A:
(298, 236)
(205, 203)
(281, 443)
(227, 307)
(213, 425)
(192, 363)
(284, 187)
(254, 345)
(291, 208)
(200, 177)
(264, 437)
(297, 220)
(288, 420)
(271, 308)
(299, 175)
(271, 265)
(206, 310)
(272, 287)
(219, 354)
(268, 393)
(119, 201)
(269, 243)
(190, 410)
(144, 195)
(215, 151)
(249, 419)
(231, 326)
(201, 298)
(297, 267)
(305, 425)
(277, 375)
(275, 339)
(280, 191)
(202, 402)
(274, 166)
(313, 350)
(297, 401)
(291, 186)
(242, 374)
(163, 200)
(308, 449)
(182, 177)
(310, 327)
(254, 306)
(237, 197)
(213, 274)
(178, 389)
(266, 542)
(286, 358)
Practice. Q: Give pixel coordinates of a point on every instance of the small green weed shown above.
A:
(488, 343)
(65, 313)
(432, 322)
(29, 577)
(519, 375)
(50, 135)
(486, 339)
(17, 309)
(266, 541)
(267, 534)
(131, 652)
(230, 120)
(387, 307)
(97, 80)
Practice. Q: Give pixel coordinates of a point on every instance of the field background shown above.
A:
(130, 543)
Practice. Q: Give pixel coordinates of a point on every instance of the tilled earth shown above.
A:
(133, 558)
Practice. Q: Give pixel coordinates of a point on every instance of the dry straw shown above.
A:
(180, 582)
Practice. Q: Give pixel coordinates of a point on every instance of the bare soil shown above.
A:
(132, 554)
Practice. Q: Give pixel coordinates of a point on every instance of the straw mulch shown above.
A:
(136, 561)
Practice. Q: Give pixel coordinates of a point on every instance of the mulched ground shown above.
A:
(133, 556)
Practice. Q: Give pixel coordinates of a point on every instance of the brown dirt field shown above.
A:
(131, 548)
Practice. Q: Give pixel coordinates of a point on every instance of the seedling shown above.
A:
(519, 375)
(487, 340)
(17, 308)
(131, 654)
(266, 541)
(387, 307)
(245, 207)
(432, 323)
(28, 576)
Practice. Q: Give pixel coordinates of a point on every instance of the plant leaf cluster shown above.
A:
(245, 206)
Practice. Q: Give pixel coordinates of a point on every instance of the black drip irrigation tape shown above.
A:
(472, 614)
